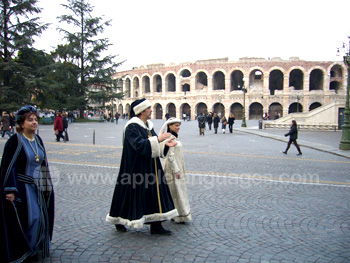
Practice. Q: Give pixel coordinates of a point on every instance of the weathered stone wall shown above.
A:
(216, 86)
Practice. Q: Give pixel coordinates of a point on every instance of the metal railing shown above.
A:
(319, 127)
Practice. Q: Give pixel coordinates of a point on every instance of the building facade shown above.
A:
(258, 85)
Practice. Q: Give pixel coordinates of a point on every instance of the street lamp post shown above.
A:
(345, 140)
(244, 123)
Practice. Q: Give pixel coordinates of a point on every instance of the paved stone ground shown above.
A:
(250, 203)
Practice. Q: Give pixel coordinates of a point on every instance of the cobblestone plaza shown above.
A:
(249, 202)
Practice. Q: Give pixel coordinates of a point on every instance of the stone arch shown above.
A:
(158, 111)
(314, 105)
(219, 109)
(256, 78)
(136, 86)
(218, 80)
(185, 108)
(146, 84)
(316, 79)
(171, 109)
(127, 111)
(170, 82)
(276, 79)
(186, 87)
(275, 110)
(236, 80)
(201, 80)
(296, 79)
(157, 83)
(335, 85)
(201, 107)
(237, 110)
(185, 73)
(127, 90)
(120, 109)
(336, 78)
(295, 107)
(255, 111)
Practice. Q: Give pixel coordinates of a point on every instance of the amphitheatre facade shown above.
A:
(273, 86)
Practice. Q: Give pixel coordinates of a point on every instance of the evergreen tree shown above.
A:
(18, 26)
(82, 55)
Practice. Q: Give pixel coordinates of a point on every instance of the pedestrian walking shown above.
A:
(224, 123)
(58, 126)
(231, 121)
(293, 136)
(201, 123)
(216, 121)
(26, 193)
(141, 195)
(65, 126)
(210, 120)
(174, 169)
(116, 118)
(5, 119)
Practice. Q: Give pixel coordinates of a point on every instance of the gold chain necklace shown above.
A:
(37, 157)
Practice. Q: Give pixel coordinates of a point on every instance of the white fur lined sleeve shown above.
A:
(155, 146)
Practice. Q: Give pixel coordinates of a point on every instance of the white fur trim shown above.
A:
(142, 106)
(145, 219)
(140, 122)
(155, 146)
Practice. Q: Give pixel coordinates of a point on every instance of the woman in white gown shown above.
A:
(174, 169)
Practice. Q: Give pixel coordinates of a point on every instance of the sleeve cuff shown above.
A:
(154, 146)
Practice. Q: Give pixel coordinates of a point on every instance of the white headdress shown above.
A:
(169, 121)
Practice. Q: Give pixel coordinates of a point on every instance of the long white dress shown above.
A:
(174, 162)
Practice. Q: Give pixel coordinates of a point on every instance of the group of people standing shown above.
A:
(151, 185)
(215, 120)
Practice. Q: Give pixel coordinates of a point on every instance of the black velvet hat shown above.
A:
(139, 106)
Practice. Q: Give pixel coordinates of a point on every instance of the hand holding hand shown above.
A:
(164, 136)
(171, 142)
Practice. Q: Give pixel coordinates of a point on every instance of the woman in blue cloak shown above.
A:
(26, 193)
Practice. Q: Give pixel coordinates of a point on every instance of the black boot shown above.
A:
(157, 229)
(120, 228)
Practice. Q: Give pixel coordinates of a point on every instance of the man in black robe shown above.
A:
(142, 194)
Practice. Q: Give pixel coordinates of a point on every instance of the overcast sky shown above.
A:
(161, 31)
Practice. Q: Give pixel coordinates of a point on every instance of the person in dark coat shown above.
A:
(141, 194)
(216, 121)
(201, 123)
(293, 136)
(210, 120)
(58, 126)
(65, 126)
(224, 123)
(231, 121)
(26, 193)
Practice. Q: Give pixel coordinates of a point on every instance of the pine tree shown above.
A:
(18, 26)
(84, 49)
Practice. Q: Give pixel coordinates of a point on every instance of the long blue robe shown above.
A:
(26, 225)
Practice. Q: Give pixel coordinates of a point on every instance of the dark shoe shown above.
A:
(299, 154)
(120, 228)
(284, 152)
(159, 230)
